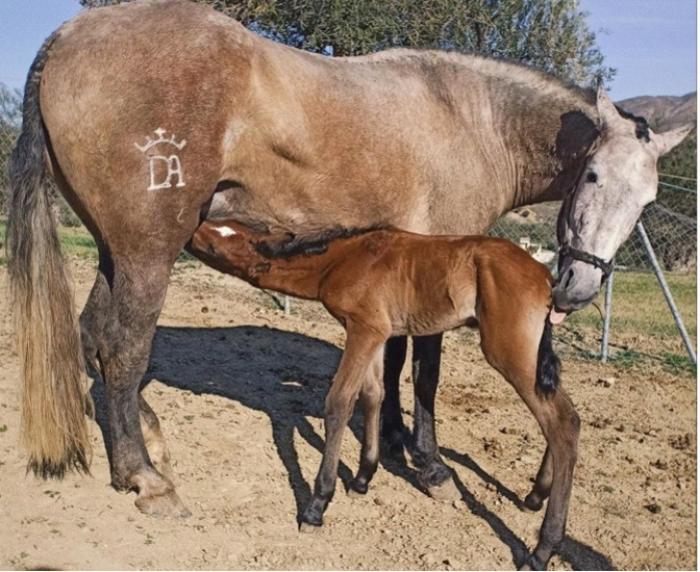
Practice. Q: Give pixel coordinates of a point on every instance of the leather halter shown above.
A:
(588, 258)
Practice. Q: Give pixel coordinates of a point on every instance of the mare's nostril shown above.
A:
(569, 277)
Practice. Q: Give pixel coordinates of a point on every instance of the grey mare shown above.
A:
(153, 114)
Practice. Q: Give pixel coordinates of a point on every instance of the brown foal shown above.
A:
(382, 283)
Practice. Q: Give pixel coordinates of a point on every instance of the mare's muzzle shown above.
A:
(580, 276)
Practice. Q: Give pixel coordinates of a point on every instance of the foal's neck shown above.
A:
(233, 248)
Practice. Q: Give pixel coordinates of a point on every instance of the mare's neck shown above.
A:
(535, 131)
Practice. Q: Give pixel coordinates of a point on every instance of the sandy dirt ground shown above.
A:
(239, 389)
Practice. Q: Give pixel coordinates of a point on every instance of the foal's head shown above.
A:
(618, 180)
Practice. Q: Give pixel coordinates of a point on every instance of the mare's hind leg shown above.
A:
(138, 292)
(153, 437)
(361, 348)
(543, 484)
(433, 474)
(371, 397)
(92, 330)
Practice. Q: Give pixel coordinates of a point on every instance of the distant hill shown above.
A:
(664, 112)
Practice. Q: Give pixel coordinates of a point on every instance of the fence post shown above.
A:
(667, 293)
(606, 318)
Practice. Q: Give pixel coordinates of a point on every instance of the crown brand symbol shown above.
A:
(160, 132)
(163, 168)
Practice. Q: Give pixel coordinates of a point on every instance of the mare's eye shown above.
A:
(591, 177)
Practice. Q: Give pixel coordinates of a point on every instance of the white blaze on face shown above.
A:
(225, 231)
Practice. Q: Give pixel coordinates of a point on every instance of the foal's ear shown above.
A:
(669, 139)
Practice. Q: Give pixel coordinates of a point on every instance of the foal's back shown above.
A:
(414, 284)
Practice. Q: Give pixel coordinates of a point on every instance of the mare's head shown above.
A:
(617, 181)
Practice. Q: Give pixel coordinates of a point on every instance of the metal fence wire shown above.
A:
(671, 223)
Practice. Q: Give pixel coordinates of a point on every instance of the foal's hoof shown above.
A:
(532, 503)
(447, 492)
(162, 505)
(357, 488)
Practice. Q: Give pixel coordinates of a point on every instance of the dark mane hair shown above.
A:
(308, 244)
(641, 124)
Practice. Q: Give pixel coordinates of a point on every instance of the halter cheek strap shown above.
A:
(592, 259)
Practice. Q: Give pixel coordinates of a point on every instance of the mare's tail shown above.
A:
(54, 428)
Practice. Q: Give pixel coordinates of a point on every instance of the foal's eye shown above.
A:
(591, 177)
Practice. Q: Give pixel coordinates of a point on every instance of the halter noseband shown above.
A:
(592, 259)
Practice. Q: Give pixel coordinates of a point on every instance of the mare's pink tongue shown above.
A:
(556, 317)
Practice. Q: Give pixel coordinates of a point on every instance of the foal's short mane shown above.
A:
(309, 244)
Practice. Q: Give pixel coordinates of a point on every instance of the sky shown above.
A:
(652, 43)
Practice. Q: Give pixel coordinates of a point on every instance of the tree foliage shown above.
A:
(552, 35)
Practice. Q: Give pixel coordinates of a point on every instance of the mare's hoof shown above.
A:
(311, 517)
(446, 492)
(308, 528)
(357, 488)
(392, 442)
(167, 504)
(532, 503)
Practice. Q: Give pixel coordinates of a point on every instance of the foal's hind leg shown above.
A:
(137, 297)
(371, 399)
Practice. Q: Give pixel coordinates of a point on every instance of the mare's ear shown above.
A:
(669, 139)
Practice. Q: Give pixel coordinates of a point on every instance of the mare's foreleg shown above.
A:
(434, 475)
(361, 347)
(393, 429)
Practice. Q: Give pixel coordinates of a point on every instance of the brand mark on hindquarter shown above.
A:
(163, 167)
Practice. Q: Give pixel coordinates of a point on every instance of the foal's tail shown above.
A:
(54, 396)
(548, 364)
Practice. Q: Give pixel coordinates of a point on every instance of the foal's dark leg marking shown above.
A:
(393, 429)
(543, 484)
(426, 456)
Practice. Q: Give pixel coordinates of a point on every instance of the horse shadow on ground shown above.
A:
(286, 375)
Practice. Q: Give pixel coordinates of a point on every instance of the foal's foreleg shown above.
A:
(370, 398)
(361, 346)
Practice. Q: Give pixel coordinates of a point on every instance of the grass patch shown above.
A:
(642, 326)
(75, 241)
